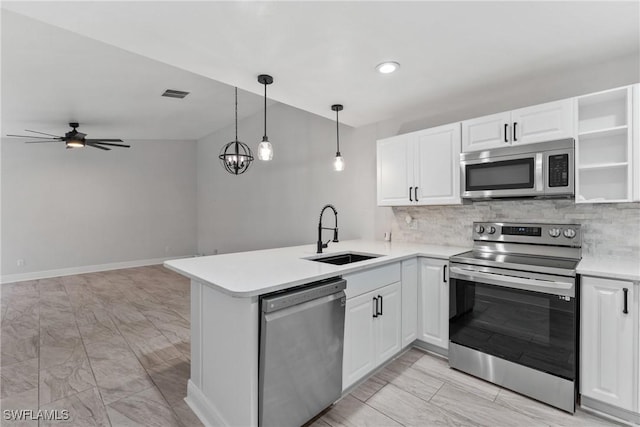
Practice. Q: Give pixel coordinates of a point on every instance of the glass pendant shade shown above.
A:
(265, 150)
(338, 163)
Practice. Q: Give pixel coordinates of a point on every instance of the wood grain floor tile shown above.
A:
(350, 412)
(368, 388)
(410, 410)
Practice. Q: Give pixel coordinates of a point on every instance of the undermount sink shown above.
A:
(347, 258)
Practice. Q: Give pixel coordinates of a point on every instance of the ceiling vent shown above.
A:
(175, 93)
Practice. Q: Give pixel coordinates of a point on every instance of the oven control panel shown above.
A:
(543, 234)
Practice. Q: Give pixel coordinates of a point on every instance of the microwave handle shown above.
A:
(535, 285)
(539, 173)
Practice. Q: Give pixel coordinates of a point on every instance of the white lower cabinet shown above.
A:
(609, 342)
(372, 331)
(433, 306)
(409, 301)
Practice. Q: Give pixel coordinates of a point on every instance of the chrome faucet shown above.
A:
(320, 228)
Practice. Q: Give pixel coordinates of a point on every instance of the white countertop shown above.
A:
(248, 274)
(610, 268)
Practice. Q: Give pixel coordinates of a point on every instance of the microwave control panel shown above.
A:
(559, 170)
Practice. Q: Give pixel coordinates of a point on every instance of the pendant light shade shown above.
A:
(265, 150)
(236, 156)
(338, 163)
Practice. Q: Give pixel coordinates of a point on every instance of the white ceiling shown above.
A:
(51, 77)
(321, 53)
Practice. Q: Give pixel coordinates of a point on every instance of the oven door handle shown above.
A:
(535, 285)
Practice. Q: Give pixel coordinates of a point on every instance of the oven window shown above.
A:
(529, 328)
(503, 175)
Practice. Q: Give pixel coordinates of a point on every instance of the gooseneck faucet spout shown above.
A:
(320, 228)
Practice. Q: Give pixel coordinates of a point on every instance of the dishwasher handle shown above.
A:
(282, 300)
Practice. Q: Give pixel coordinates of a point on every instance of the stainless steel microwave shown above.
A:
(539, 170)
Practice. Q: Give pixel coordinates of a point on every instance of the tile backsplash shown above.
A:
(609, 230)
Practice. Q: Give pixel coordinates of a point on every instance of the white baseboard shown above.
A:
(200, 405)
(21, 277)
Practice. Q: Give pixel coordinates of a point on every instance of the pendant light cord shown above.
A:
(236, 113)
(337, 132)
(265, 110)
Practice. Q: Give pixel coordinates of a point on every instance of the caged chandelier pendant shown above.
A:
(236, 156)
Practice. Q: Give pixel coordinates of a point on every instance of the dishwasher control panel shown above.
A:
(289, 297)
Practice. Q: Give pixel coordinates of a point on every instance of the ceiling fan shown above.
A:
(73, 139)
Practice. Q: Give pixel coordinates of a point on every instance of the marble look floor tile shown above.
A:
(95, 324)
(69, 377)
(318, 423)
(18, 378)
(368, 388)
(59, 335)
(125, 313)
(85, 410)
(439, 368)
(139, 330)
(153, 352)
(26, 400)
(546, 413)
(15, 350)
(146, 408)
(171, 379)
(481, 411)
(410, 410)
(352, 413)
(185, 415)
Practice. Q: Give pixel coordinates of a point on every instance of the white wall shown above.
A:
(71, 208)
(277, 203)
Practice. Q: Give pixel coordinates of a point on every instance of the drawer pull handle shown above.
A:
(625, 309)
(381, 300)
(375, 307)
(410, 199)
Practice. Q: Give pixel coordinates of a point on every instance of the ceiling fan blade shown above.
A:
(106, 143)
(91, 144)
(34, 137)
(103, 139)
(35, 131)
(37, 142)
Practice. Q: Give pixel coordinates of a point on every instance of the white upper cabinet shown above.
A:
(538, 123)
(395, 170)
(484, 133)
(609, 341)
(544, 122)
(420, 168)
(607, 147)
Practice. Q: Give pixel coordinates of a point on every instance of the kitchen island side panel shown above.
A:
(224, 356)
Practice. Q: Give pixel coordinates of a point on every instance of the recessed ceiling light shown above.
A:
(387, 67)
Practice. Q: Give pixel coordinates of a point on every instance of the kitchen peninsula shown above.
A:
(225, 290)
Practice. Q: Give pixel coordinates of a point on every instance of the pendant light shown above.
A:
(265, 150)
(338, 163)
(236, 156)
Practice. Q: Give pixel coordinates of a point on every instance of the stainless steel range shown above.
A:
(514, 309)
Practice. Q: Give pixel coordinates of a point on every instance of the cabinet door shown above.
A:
(388, 324)
(607, 359)
(409, 301)
(359, 339)
(486, 132)
(394, 170)
(544, 122)
(437, 168)
(433, 311)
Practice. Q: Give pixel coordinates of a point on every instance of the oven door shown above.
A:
(525, 318)
(504, 176)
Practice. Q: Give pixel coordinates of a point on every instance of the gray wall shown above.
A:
(277, 203)
(72, 208)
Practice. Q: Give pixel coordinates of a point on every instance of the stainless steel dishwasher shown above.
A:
(301, 343)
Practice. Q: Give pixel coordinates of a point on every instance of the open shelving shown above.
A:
(604, 147)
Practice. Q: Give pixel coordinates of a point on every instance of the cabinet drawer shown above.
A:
(368, 280)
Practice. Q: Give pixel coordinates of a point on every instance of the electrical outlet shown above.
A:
(20, 263)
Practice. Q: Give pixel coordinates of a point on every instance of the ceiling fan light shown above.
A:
(75, 143)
